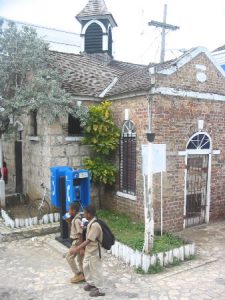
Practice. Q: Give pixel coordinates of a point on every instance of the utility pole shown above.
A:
(164, 26)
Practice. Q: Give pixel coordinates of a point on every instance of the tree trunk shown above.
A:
(2, 182)
(101, 189)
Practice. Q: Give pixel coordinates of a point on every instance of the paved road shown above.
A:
(32, 269)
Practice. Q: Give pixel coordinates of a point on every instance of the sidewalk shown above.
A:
(35, 269)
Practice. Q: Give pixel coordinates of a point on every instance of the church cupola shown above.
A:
(97, 23)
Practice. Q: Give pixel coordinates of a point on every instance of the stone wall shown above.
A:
(50, 148)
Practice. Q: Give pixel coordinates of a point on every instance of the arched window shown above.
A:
(93, 39)
(199, 141)
(128, 158)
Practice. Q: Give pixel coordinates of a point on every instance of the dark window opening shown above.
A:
(128, 159)
(93, 39)
(110, 42)
(74, 126)
(33, 122)
(199, 141)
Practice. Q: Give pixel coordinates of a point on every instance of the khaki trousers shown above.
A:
(75, 261)
(92, 266)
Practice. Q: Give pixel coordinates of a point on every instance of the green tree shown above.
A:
(29, 78)
(102, 134)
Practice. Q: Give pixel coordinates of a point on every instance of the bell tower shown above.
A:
(97, 23)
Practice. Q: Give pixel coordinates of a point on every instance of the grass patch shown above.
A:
(132, 233)
(154, 269)
(125, 230)
(166, 242)
(140, 271)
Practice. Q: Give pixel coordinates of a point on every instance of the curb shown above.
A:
(25, 233)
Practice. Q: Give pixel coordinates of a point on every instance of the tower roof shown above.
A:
(96, 9)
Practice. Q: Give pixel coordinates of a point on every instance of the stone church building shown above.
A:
(182, 101)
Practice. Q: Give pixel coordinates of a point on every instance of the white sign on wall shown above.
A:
(153, 158)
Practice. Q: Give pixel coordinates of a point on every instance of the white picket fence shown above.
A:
(137, 259)
(27, 222)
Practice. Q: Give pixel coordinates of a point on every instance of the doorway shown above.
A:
(19, 163)
(197, 180)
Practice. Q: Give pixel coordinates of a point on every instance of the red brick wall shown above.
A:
(139, 115)
(174, 122)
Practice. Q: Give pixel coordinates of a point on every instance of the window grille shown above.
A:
(128, 159)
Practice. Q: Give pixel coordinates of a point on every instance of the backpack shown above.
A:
(108, 239)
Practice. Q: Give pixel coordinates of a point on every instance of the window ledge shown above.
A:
(127, 196)
(34, 138)
(73, 138)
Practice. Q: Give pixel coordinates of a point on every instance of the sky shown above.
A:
(201, 23)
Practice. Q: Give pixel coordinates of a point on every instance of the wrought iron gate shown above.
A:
(196, 189)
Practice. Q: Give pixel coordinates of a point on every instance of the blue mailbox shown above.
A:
(56, 173)
(77, 187)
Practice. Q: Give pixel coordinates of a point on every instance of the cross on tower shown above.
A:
(164, 26)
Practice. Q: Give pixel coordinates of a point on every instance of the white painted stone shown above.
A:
(21, 222)
(128, 257)
(181, 250)
(30, 221)
(125, 250)
(166, 258)
(56, 217)
(35, 221)
(186, 251)
(153, 260)
(176, 253)
(17, 223)
(160, 258)
(116, 249)
(132, 258)
(45, 219)
(192, 249)
(138, 259)
(120, 251)
(26, 222)
(146, 261)
(12, 224)
(51, 218)
(113, 250)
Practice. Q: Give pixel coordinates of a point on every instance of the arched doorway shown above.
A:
(197, 179)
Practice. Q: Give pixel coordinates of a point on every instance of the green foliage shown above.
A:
(103, 135)
(100, 130)
(126, 231)
(102, 171)
(29, 79)
(166, 242)
(176, 262)
(140, 271)
(157, 268)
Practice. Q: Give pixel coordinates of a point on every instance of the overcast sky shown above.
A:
(202, 23)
